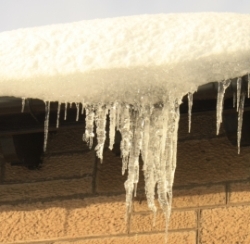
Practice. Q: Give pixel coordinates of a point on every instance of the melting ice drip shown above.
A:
(238, 98)
(149, 131)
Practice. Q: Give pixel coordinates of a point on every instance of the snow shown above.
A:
(136, 69)
(130, 59)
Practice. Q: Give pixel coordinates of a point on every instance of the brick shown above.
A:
(188, 237)
(210, 161)
(60, 219)
(59, 167)
(47, 189)
(239, 192)
(225, 225)
(188, 197)
(143, 222)
(199, 196)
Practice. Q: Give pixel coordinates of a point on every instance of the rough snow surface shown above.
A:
(129, 59)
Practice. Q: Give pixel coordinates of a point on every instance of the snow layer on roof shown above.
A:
(129, 59)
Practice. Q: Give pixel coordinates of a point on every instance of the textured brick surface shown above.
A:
(173, 238)
(199, 196)
(210, 161)
(58, 167)
(71, 218)
(143, 222)
(225, 225)
(189, 197)
(46, 189)
(239, 192)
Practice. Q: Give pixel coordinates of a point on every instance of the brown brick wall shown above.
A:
(75, 199)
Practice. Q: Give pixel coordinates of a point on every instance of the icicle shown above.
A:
(77, 111)
(234, 99)
(23, 104)
(190, 105)
(222, 86)
(240, 119)
(151, 154)
(248, 85)
(126, 136)
(145, 143)
(83, 107)
(136, 130)
(100, 121)
(238, 93)
(89, 130)
(118, 117)
(46, 125)
(168, 157)
(112, 125)
(65, 110)
(58, 114)
(70, 105)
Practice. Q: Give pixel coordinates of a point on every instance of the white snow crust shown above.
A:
(129, 59)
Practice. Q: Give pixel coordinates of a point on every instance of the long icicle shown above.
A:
(23, 104)
(77, 111)
(112, 125)
(126, 133)
(46, 125)
(65, 110)
(148, 150)
(130, 184)
(100, 121)
(240, 119)
(222, 86)
(83, 107)
(238, 93)
(89, 128)
(58, 115)
(190, 105)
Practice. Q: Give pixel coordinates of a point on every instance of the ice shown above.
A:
(240, 119)
(112, 125)
(238, 93)
(222, 86)
(83, 107)
(132, 163)
(100, 122)
(190, 105)
(89, 128)
(58, 114)
(234, 99)
(46, 125)
(23, 104)
(77, 111)
(65, 110)
(126, 133)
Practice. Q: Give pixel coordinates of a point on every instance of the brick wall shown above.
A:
(75, 199)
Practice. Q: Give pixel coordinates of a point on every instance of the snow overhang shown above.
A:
(126, 59)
